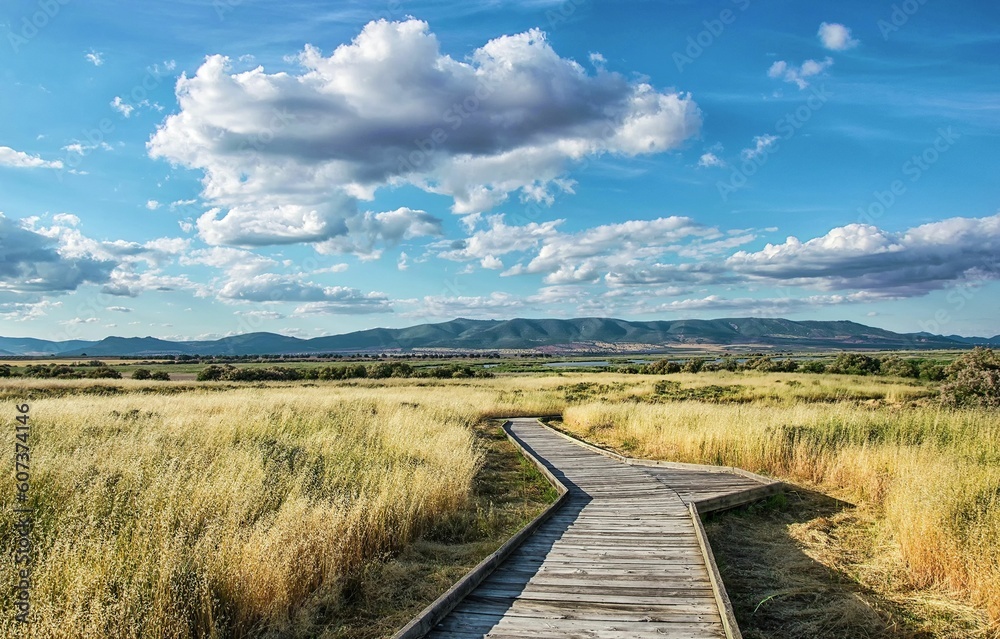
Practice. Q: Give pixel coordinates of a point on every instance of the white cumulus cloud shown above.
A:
(710, 159)
(863, 257)
(288, 156)
(836, 37)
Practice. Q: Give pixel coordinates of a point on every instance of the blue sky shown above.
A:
(200, 168)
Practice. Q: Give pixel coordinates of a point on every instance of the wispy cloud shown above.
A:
(19, 159)
(797, 74)
(122, 107)
(761, 144)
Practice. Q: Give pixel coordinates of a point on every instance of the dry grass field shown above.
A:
(223, 511)
(302, 509)
(928, 476)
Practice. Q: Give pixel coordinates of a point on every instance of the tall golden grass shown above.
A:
(934, 473)
(221, 509)
(220, 514)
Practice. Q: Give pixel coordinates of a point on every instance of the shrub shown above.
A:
(270, 374)
(213, 373)
(694, 365)
(103, 372)
(730, 364)
(973, 380)
(162, 376)
(899, 367)
(661, 367)
(355, 370)
(380, 370)
(765, 364)
(402, 369)
(814, 366)
(931, 372)
(855, 364)
(141, 373)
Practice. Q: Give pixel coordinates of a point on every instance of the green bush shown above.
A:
(693, 365)
(813, 366)
(213, 373)
(931, 371)
(661, 367)
(855, 364)
(141, 373)
(899, 367)
(973, 380)
(102, 372)
(765, 364)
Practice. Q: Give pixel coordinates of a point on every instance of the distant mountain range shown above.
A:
(592, 334)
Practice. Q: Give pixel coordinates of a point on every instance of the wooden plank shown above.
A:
(623, 558)
(476, 607)
(529, 627)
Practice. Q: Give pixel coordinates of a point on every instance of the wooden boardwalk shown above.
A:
(620, 559)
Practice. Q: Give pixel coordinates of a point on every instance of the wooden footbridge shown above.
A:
(621, 554)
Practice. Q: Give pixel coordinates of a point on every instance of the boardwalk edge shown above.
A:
(768, 486)
(430, 616)
(718, 587)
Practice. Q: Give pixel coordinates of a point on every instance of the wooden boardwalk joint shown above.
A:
(622, 554)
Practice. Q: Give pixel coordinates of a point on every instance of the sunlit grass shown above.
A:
(168, 517)
(932, 473)
(180, 509)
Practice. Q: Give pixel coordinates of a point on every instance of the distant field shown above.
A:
(171, 508)
(186, 370)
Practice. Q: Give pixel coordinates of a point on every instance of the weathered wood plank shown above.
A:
(622, 559)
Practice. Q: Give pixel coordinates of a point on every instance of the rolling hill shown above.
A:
(593, 334)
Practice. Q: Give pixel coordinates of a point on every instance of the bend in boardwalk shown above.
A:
(619, 560)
